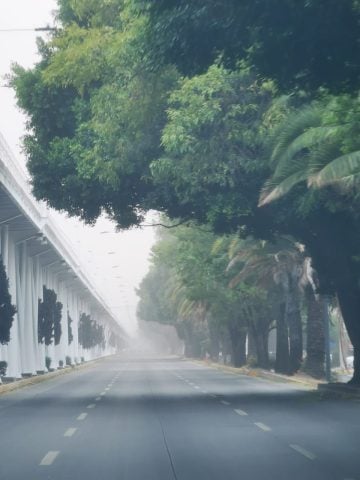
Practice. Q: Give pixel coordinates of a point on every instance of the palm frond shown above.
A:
(272, 192)
(340, 169)
(294, 126)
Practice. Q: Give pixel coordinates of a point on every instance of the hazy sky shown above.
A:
(116, 261)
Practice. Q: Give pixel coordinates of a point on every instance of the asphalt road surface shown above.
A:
(165, 419)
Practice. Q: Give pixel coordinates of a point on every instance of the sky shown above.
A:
(116, 262)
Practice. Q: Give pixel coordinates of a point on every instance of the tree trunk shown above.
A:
(282, 361)
(214, 341)
(238, 345)
(251, 354)
(349, 301)
(315, 341)
(293, 317)
(260, 336)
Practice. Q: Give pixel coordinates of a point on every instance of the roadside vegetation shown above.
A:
(242, 122)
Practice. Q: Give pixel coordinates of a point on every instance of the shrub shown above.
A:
(68, 360)
(7, 310)
(3, 368)
(61, 363)
(49, 318)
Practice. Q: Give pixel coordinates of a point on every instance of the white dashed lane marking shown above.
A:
(70, 432)
(262, 426)
(97, 399)
(303, 451)
(92, 405)
(49, 458)
(224, 402)
(82, 416)
(240, 412)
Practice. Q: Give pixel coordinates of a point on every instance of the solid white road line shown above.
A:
(49, 458)
(92, 405)
(303, 451)
(70, 432)
(262, 426)
(224, 402)
(82, 416)
(240, 412)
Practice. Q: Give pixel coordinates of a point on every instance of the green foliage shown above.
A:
(49, 318)
(300, 43)
(90, 333)
(3, 368)
(7, 310)
(318, 145)
(70, 333)
(214, 145)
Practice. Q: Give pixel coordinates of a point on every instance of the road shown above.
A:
(165, 419)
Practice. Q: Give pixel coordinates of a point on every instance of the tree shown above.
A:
(49, 318)
(270, 35)
(318, 144)
(270, 265)
(325, 219)
(7, 309)
(90, 333)
(114, 127)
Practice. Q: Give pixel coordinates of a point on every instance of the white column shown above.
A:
(14, 359)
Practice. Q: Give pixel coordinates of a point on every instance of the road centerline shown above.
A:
(240, 412)
(262, 426)
(49, 458)
(303, 451)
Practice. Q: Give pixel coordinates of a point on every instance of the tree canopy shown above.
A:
(243, 119)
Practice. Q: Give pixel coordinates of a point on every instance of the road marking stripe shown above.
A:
(303, 451)
(102, 394)
(70, 432)
(262, 426)
(213, 395)
(240, 412)
(224, 402)
(49, 458)
(92, 405)
(107, 388)
(82, 416)
(97, 399)
(197, 386)
(204, 391)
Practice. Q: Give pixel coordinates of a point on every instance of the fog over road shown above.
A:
(164, 419)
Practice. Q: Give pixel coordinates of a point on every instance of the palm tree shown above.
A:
(276, 264)
(318, 144)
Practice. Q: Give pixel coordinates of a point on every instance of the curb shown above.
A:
(262, 374)
(340, 390)
(26, 382)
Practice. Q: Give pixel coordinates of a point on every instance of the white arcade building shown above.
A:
(35, 254)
